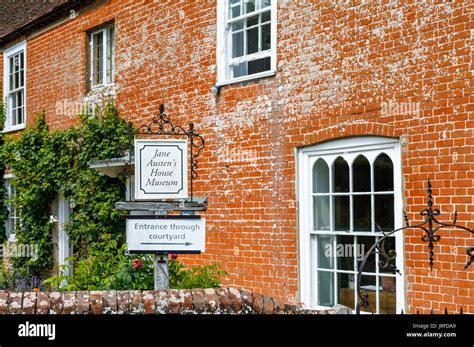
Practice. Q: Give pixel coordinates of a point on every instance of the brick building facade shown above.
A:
(389, 81)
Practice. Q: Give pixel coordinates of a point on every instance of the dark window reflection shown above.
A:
(384, 211)
(361, 213)
(383, 173)
(341, 176)
(361, 174)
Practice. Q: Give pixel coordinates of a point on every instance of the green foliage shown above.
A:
(3, 193)
(47, 162)
(107, 267)
(204, 276)
(95, 196)
(38, 160)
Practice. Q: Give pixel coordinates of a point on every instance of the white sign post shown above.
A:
(168, 234)
(161, 169)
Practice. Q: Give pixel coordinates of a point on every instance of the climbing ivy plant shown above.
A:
(45, 163)
(3, 193)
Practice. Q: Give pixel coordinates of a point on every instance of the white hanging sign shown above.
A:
(161, 169)
(175, 234)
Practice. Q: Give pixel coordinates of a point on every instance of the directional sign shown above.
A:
(161, 169)
(168, 233)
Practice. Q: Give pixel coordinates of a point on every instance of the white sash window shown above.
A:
(350, 190)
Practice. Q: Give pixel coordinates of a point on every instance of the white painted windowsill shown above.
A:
(14, 128)
(247, 78)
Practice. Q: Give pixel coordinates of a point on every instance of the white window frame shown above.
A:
(224, 50)
(8, 127)
(349, 148)
(8, 187)
(105, 38)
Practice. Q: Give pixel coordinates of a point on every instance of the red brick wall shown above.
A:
(337, 66)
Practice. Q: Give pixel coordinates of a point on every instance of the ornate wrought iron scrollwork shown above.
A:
(430, 226)
(161, 125)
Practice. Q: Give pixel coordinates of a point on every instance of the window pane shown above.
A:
(22, 60)
(321, 212)
(266, 17)
(320, 177)
(14, 100)
(361, 174)
(341, 213)
(325, 252)
(238, 44)
(264, 3)
(368, 286)
(237, 25)
(110, 55)
(384, 212)
(341, 176)
(346, 291)
(266, 37)
(252, 40)
(252, 21)
(387, 295)
(16, 80)
(12, 82)
(383, 173)
(325, 288)
(97, 58)
(345, 252)
(259, 65)
(235, 11)
(19, 115)
(240, 70)
(361, 213)
(364, 244)
(249, 6)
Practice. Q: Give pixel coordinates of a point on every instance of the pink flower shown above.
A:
(137, 264)
(173, 256)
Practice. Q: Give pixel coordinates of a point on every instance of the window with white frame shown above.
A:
(350, 193)
(12, 223)
(14, 78)
(246, 39)
(102, 56)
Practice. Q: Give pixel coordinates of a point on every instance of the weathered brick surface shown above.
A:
(338, 75)
(268, 305)
(123, 299)
(96, 302)
(199, 300)
(3, 302)
(42, 303)
(69, 303)
(162, 301)
(149, 302)
(258, 304)
(83, 303)
(55, 303)
(212, 300)
(174, 303)
(186, 299)
(29, 303)
(235, 299)
(110, 302)
(195, 301)
(224, 300)
(136, 302)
